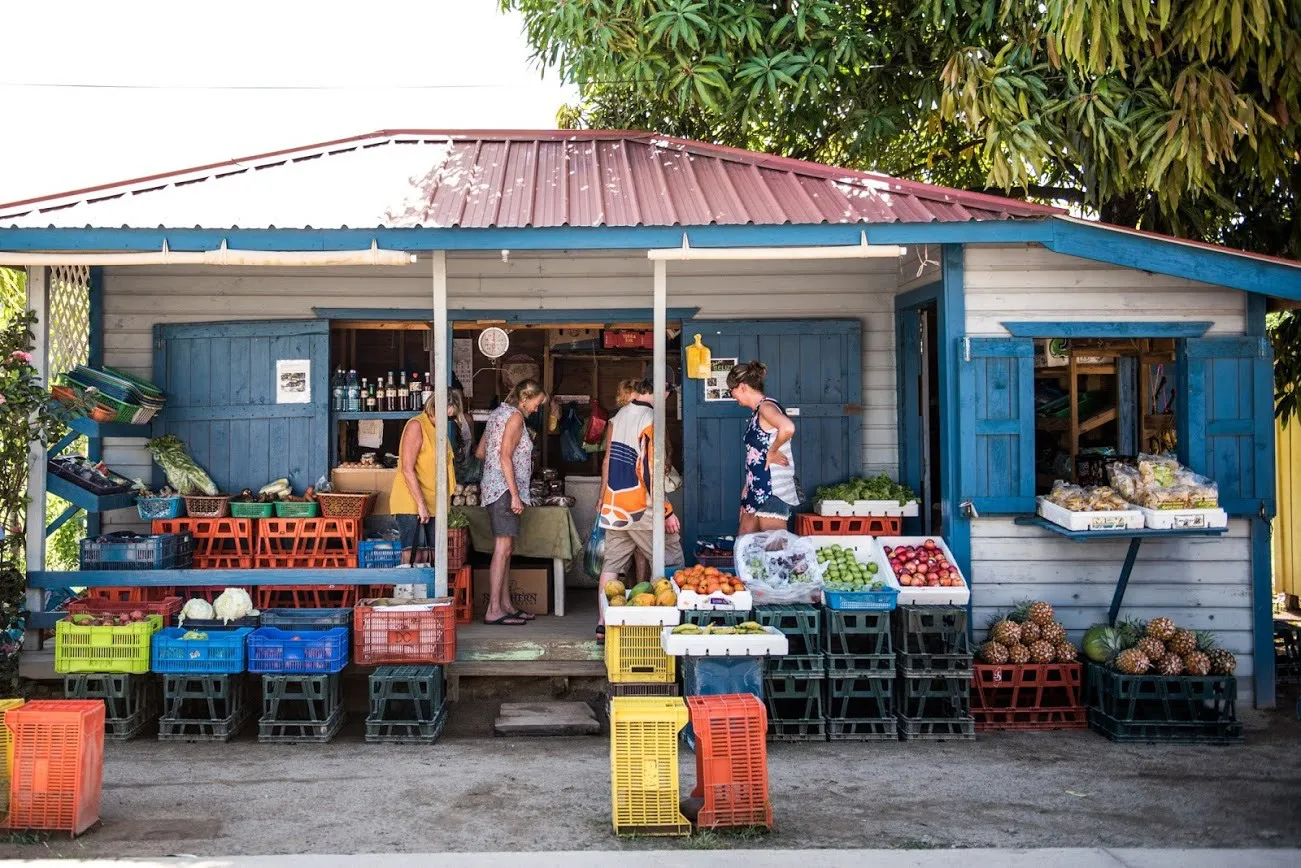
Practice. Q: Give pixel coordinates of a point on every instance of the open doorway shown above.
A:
(919, 411)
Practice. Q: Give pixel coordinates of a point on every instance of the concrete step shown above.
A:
(546, 719)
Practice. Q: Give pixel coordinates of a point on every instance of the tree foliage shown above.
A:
(1175, 115)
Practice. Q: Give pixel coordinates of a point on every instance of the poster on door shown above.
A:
(293, 381)
(716, 383)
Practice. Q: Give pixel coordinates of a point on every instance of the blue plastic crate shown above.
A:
(159, 508)
(307, 619)
(376, 554)
(881, 601)
(129, 551)
(273, 650)
(222, 653)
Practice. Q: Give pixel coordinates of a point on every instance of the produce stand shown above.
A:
(1135, 537)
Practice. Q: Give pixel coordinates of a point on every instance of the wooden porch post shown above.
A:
(657, 463)
(441, 379)
(38, 301)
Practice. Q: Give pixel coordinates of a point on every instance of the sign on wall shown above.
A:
(293, 381)
(716, 383)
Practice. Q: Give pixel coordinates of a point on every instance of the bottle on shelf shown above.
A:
(372, 399)
(390, 395)
(427, 390)
(353, 389)
(413, 392)
(338, 392)
(404, 403)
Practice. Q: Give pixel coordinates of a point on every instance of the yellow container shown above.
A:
(644, 765)
(6, 752)
(699, 360)
(633, 655)
(97, 650)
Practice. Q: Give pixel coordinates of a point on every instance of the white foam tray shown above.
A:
(845, 508)
(914, 596)
(1183, 519)
(770, 643)
(640, 616)
(1124, 519)
(866, 550)
(738, 601)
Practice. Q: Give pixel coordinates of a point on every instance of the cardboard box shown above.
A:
(572, 339)
(361, 480)
(1051, 353)
(528, 590)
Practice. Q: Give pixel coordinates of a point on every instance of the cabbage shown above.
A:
(233, 604)
(196, 608)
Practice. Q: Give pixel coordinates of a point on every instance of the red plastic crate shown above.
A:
(807, 524)
(459, 588)
(168, 608)
(306, 596)
(384, 634)
(627, 340)
(307, 543)
(1027, 696)
(731, 760)
(219, 543)
(131, 595)
(58, 764)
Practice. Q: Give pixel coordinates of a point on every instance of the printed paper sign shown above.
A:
(293, 381)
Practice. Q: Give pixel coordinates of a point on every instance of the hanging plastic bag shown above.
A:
(779, 567)
(571, 435)
(595, 434)
(594, 551)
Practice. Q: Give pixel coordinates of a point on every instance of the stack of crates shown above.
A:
(933, 686)
(407, 705)
(644, 784)
(794, 685)
(301, 690)
(203, 683)
(635, 662)
(860, 659)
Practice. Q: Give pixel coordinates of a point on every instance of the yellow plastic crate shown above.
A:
(6, 752)
(633, 655)
(104, 650)
(644, 764)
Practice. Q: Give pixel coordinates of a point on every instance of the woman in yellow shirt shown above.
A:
(415, 486)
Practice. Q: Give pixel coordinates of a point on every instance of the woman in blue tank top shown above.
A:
(770, 494)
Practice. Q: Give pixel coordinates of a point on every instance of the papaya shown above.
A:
(642, 588)
(666, 598)
(618, 600)
(614, 588)
(643, 599)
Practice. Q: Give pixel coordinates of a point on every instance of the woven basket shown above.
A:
(202, 506)
(336, 505)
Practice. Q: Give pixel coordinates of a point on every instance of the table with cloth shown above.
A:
(545, 532)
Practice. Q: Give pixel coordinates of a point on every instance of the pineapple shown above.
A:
(1183, 643)
(1153, 649)
(1170, 664)
(1161, 628)
(1043, 652)
(1018, 654)
(1067, 653)
(1006, 633)
(1040, 613)
(993, 652)
(1223, 662)
(1197, 663)
(1132, 661)
(1128, 632)
(1052, 632)
(1030, 633)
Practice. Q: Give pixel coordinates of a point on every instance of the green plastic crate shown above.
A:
(107, 650)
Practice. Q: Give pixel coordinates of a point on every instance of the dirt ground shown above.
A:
(472, 792)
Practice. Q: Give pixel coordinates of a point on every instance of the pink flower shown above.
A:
(3, 400)
(25, 357)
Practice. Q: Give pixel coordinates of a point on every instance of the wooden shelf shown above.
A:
(1098, 420)
(344, 416)
(80, 497)
(90, 428)
(1054, 373)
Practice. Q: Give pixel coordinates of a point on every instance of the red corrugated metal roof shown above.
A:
(510, 179)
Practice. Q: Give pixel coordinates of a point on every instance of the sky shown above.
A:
(180, 83)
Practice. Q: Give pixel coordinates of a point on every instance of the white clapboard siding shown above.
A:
(1203, 583)
(1028, 282)
(136, 299)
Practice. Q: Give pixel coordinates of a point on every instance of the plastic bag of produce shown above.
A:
(779, 567)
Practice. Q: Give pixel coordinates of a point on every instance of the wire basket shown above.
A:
(252, 510)
(337, 505)
(296, 509)
(158, 508)
(203, 506)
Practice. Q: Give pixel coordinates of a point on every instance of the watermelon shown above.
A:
(1099, 642)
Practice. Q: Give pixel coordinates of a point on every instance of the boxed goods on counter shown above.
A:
(1076, 507)
(1169, 494)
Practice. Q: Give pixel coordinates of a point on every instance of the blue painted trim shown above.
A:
(64, 442)
(908, 395)
(1262, 613)
(952, 325)
(61, 519)
(1126, 570)
(83, 499)
(1075, 329)
(1000, 348)
(244, 329)
(242, 578)
(917, 297)
(592, 314)
(92, 429)
(1166, 256)
(158, 425)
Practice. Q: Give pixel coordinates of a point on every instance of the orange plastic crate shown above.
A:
(1028, 696)
(219, 543)
(731, 760)
(306, 596)
(848, 525)
(168, 608)
(307, 543)
(6, 752)
(131, 595)
(58, 765)
(459, 588)
(398, 634)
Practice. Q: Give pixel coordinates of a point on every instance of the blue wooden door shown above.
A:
(815, 370)
(1226, 419)
(220, 381)
(996, 402)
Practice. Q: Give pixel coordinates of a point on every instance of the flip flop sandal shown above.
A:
(506, 621)
(523, 616)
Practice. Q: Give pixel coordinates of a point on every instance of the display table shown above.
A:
(545, 532)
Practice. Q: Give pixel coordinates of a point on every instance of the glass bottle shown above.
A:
(353, 388)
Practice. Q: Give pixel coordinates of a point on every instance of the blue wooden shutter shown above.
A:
(1226, 419)
(997, 424)
(220, 382)
(815, 367)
